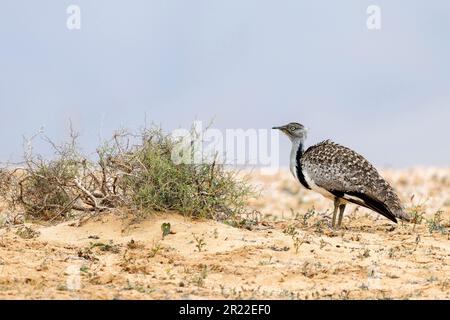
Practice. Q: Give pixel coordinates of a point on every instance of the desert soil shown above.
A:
(291, 253)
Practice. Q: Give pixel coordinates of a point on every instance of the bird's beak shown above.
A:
(282, 129)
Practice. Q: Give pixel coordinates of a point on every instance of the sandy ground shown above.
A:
(291, 253)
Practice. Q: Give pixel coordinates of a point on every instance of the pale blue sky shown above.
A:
(248, 64)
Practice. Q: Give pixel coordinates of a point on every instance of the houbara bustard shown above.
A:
(342, 175)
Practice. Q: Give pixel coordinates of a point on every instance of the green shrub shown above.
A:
(132, 171)
(155, 182)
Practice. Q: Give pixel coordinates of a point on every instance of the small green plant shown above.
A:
(392, 251)
(110, 247)
(199, 279)
(417, 212)
(323, 243)
(27, 232)
(139, 288)
(247, 220)
(307, 269)
(417, 241)
(62, 287)
(266, 262)
(165, 228)
(290, 230)
(436, 223)
(319, 226)
(310, 213)
(304, 218)
(297, 243)
(156, 247)
(364, 286)
(204, 272)
(84, 269)
(86, 253)
(199, 242)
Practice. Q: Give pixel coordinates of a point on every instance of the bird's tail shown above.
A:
(402, 215)
(396, 207)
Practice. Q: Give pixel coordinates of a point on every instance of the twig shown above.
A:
(89, 195)
(65, 208)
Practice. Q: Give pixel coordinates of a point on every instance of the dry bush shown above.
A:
(5, 181)
(52, 188)
(148, 178)
(131, 171)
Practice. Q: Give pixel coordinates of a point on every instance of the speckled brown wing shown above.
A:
(348, 175)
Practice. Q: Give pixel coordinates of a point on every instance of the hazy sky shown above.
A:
(247, 63)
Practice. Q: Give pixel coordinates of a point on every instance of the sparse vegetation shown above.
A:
(297, 242)
(165, 228)
(319, 226)
(84, 269)
(86, 253)
(134, 245)
(133, 172)
(323, 243)
(435, 224)
(247, 220)
(365, 253)
(305, 218)
(417, 212)
(290, 230)
(27, 232)
(266, 262)
(309, 269)
(110, 247)
(156, 247)
(199, 242)
(199, 278)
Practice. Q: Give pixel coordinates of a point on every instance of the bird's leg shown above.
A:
(341, 214)
(336, 205)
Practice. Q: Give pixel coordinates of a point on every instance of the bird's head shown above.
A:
(294, 131)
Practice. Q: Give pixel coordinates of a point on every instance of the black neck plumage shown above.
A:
(298, 159)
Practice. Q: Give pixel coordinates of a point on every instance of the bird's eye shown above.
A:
(292, 128)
